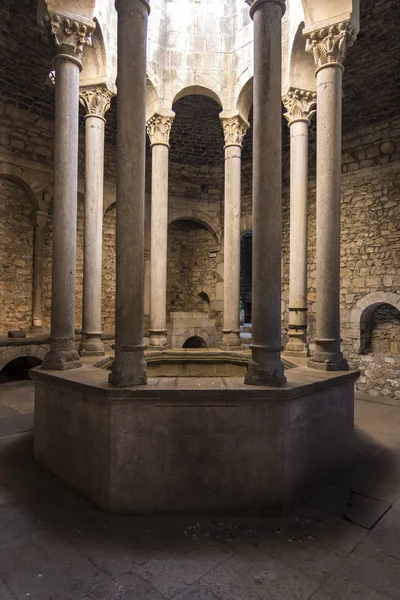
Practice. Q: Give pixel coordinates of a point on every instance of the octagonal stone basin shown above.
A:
(185, 362)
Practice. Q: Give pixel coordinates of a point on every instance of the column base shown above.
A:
(327, 356)
(231, 339)
(93, 347)
(83, 352)
(329, 365)
(129, 368)
(61, 360)
(271, 373)
(158, 338)
(297, 349)
(36, 328)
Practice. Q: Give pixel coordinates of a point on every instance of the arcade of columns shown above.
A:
(328, 47)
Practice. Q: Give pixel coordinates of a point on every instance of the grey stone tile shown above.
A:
(107, 542)
(5, 593)
(15, 522)
(196, 592)
(174, 569)
(345, 589)
(351, 506)
(44, 567)
(386, 534)
(127, 587)
(307, 556)
(373, 569)
(341, 535)
(253, 575)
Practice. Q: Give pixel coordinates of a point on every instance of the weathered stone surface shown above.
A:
(191, 444)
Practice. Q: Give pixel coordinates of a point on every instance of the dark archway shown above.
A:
(194, 342)
(18, 368)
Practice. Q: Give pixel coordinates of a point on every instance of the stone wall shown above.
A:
(381, 364)
(16, 251)
(191, 266)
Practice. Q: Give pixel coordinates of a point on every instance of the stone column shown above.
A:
(300, 106)
(96, 100)
(129, 367)
(328, 47)
(266, 367)
(41, 220)
(70, 37)
(158, 129)
(234, 131)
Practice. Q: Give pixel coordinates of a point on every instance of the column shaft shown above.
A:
(129, 367)
(62, 354)
(267, 367)
(327, 353)
(37, 321)
(297, 343)
(231, 325)
(91, 344)
(159, 249)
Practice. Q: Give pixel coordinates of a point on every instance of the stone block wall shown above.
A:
(16, 251)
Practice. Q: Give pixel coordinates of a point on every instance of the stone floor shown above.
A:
(344, 544)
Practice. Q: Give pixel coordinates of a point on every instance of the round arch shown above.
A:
(245, 99)
(194, 332)
(199, 90)
(11, 353)
(373, 298)
(8, 173)
(301, 65)
(198, 217)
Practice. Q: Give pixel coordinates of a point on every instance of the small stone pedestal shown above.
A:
(187, 445)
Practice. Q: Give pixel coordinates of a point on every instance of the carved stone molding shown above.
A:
(96, 99)
(159, 129)
(329, 45)
(234, 130)
(70, 35)
(300, 105)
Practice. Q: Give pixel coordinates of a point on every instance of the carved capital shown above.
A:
(300, 105)
(41, 219)
(234, 130)
(96, 100)
(70, 35)
(159, 129)
(329, 45)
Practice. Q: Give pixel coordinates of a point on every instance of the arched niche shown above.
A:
(194, 332)
(367, 323)
(28, 351)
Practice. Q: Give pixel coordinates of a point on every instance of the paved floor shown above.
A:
(342, 545)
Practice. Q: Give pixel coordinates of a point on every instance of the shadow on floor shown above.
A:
(344, 543)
